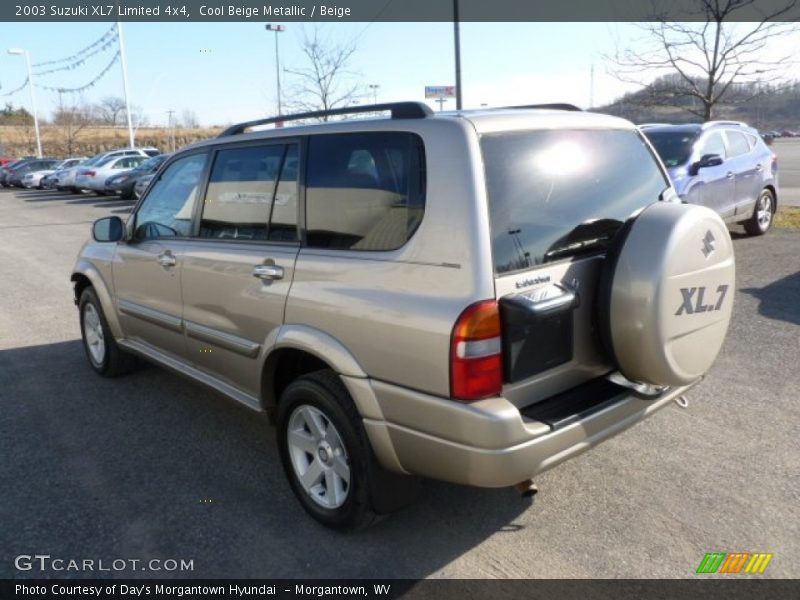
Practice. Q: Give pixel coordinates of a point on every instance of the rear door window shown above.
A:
(562, 193)
(364, 191)
(252, 194)
(737, 143)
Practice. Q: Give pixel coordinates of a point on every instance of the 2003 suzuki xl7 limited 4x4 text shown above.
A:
(473, 296)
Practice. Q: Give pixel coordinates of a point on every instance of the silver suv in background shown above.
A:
(473, 296)
(724, 165)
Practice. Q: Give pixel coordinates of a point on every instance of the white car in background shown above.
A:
(34, 178)
(66, 178)
(94, 177)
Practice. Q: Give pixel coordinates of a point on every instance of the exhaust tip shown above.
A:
(527, 489)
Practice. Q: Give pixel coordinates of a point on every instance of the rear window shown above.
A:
(674, 147)
(556, 194)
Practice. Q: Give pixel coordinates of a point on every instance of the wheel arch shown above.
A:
(298, 350)
(85, 275)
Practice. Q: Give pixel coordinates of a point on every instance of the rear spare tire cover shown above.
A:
(666, 294)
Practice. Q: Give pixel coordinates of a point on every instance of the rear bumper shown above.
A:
(490, 443)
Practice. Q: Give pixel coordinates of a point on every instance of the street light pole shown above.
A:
(19, 52)
(277, 29)
(374, 87)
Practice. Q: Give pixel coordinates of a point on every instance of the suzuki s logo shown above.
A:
(709, 244)
(694, 300)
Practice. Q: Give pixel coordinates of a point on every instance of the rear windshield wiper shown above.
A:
(576, 248)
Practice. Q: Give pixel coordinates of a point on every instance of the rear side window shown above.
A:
(561, 193)
(252, 194)
(737, 143)
(364, 191)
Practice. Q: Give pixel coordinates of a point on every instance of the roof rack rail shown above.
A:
(554, 106)
(399, 110)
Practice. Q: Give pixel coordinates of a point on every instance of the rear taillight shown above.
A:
(89, 173)
(774, 163)
(476, 360)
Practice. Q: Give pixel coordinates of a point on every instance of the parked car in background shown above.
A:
(4, 160)
(141, 185)
(94, 178)
(724, 165)
(33, 179)
(7, 168)
(16, 174)
(123, 183)
(66, 179)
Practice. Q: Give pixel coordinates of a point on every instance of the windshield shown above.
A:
(555, 194)
(674, 147)
(150, 163)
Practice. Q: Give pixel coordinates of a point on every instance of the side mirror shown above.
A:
(108, 229)
(707, 160)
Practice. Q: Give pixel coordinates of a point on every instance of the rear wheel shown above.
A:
(104, 355)
(325, 452)
(763, 214)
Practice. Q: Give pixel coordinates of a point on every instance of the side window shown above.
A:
(714, 144)
(737, 143)
(167, 209)
(250, 189)
(364, 191)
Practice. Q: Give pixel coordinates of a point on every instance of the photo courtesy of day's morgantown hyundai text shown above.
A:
(473, 296)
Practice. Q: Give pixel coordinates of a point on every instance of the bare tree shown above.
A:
(110, 109)
(71, 120)
(325, 82)
(706, 58)
(189, 119)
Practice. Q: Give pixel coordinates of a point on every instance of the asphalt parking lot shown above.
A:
(153, 466)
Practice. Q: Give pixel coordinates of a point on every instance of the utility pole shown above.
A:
(171, 126)
(124, 63)
(591, 87)
(277, 29)
(457, 39)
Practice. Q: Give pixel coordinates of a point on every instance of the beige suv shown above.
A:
(472, 296)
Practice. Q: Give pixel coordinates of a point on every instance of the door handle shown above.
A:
(268, 272)
(729, 175)
(758, 167)
(166, 259)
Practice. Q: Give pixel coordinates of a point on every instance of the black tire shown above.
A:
(114, 361)
(324, 391)
(760, 226)
(75, 191)
(101, 193)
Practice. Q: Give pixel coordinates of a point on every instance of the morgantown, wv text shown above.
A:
(241, 591)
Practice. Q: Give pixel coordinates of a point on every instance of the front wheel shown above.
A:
(763, 214)
(104, 355)
(325, 452)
